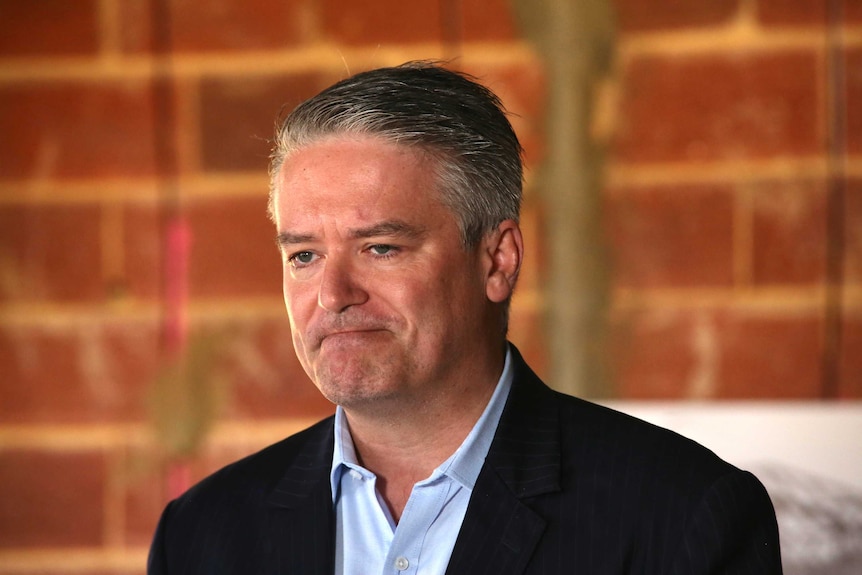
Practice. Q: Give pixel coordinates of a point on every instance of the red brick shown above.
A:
(522, 89)
(650, 15)
(136, 29)
(210, 26)
(807, 12)
(140, 570)
(719, 107)
(91, 571)
(853, 99)
(27, 570)
(728, 354)
(527, 332)
(789, 233)
(488, 20)
(76, 129)
(238, 117)
(852, 269)
(51, 499)
(143, 237)
(50, 252)
(48, 27)
(144, 487)
(84, 373)
(850, 359)
(654, 354)
(233, 249)
(382, 22)
(770, 356)
(804, 12)
(150, 483)
(264, 378)
(668, 237)
(187, 397)
(534, 269)
(526, 323)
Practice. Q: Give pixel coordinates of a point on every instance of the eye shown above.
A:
(300, 259)
(383, 249)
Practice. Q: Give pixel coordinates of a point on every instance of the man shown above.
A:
(395, 195)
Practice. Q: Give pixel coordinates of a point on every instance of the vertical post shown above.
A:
(576, 40)
(836, 91)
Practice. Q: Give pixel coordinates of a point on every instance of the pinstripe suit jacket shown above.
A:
(568, 487)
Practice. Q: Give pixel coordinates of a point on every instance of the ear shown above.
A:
(504, 248)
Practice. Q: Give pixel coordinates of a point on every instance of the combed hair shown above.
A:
(458, 122)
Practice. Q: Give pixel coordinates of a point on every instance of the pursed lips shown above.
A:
(349, 333)
(337, 327)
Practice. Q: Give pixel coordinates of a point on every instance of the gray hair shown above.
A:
(461, 124)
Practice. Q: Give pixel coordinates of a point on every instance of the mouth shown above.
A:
(335, 330)
(350, 334)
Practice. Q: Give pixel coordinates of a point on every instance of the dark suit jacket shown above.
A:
(568, 487)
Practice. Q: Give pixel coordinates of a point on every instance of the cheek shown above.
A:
(435, 304)
(297, 333)
(298, 296)
(298, 347)
(407, 298)
(299, 313)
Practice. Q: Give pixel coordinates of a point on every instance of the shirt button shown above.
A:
(402, 563)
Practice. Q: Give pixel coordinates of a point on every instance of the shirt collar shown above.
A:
(463, 466)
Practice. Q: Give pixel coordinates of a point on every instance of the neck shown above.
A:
(402, 444)
(426, 432)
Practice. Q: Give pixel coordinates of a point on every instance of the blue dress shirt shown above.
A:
(367, 540)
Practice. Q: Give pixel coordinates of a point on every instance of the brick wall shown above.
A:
(733, 200)
(722, 204)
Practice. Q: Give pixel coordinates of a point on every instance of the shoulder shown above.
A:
(599, 432)
(693, 508)
(606, 445)
(220, 522)
(642, 464)
(598, 435)
(250, 480)
(618, 432)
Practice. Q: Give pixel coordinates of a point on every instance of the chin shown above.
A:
(359, 399)
(354, 387)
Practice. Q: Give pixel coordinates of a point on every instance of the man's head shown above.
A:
(396, 210)
(457, 122)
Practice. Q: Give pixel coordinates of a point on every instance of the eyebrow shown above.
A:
(387, 228)
(288, 238)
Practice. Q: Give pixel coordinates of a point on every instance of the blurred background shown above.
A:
(693, 215)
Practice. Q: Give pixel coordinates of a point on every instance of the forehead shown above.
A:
(359, 177)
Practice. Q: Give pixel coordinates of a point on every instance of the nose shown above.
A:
(339, 286)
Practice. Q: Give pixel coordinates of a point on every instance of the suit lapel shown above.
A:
(303, 518)
(500, 531)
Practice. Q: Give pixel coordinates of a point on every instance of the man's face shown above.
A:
(384, 301)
